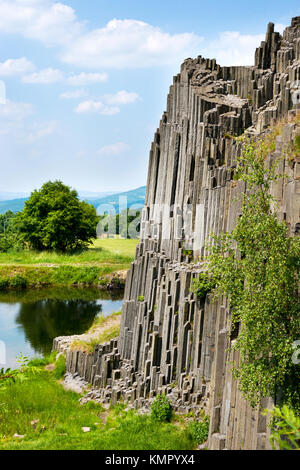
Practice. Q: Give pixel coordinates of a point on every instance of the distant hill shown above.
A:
(135, 197)
(135, 200)
(14, 205)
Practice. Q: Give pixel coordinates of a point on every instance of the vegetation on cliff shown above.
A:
(286, 429)
(256, 267)
(102, 330)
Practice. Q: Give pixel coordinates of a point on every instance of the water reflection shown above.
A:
(44, 320)
(29, 321)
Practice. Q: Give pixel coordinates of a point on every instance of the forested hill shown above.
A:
(135, 197)
(14, 205)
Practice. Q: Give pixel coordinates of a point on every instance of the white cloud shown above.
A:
(233, 48)
(49, 75)
(50, 22)
(44, 77)
(70, 95)
(15, 111)
(129, 43)
(121, 97)
(13, 67)
(109, 105)
(83, 79)
(13, 116)
(113, 149)
(39, 131)
(14, 123)
(87, 107)
(120, 43)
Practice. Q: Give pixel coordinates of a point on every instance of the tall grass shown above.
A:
(51, 418)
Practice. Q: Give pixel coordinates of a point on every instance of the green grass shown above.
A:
(108, 328)
(59, 419)
(88, 267)
(118, 246)
(107, 251)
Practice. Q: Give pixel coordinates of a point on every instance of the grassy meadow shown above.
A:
(37, 413)
(27, 268)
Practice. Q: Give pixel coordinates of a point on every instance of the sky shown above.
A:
(86, 81)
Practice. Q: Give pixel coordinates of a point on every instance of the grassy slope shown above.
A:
(102, 330)
(59, 420)
(101, 259)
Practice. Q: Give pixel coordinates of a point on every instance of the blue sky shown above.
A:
(87, 80)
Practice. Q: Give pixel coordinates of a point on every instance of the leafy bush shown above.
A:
(202, 285)
(4, 284)
(188, 253)
(286, 429)
(18, 282)
(7, 376)
(161, 409)
(199, 430)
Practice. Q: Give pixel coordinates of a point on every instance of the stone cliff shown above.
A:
(170, 341)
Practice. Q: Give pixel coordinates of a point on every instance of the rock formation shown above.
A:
(170, 341)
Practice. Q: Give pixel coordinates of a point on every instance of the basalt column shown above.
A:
(170, 341)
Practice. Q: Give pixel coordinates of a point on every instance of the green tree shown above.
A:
(9, 233)
(55, 219)
(5, 221)
(127, 224)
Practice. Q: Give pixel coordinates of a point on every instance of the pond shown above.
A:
(30, 320)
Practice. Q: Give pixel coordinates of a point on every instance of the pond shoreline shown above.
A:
(30, 319)
(16, 278)
(103, 265)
